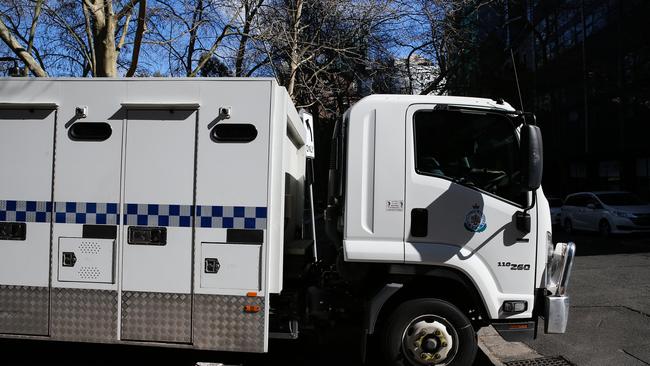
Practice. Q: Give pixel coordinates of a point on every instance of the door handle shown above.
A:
(419, 222)
(143, 235)
(13, 231)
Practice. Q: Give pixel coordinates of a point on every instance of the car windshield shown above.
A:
(555, 202)
(620, 199)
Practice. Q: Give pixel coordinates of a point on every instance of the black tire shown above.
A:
(464, 347)
(604, 228)
(568, 226)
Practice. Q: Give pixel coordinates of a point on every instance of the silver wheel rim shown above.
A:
(429, 340)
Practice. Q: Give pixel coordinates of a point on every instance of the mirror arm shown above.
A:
(532, 201)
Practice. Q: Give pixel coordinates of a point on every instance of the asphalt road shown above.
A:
(609, 323)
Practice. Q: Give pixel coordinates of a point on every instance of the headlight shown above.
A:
(627, 215)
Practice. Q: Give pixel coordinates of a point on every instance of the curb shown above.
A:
(500, 351)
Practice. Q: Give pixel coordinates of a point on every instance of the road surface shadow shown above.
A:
(285, 353)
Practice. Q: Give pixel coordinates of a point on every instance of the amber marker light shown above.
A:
(252, 309)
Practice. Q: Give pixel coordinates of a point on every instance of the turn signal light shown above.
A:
(518, 326)
(251, 294)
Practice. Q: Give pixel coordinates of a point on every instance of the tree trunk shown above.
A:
(20, 51)
(104, 39)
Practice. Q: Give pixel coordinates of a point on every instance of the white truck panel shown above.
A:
(26, 151)
(33, 253)
(238, 266)
(376, 149)
(479, 271)
(226, 170)
(87, 173)
(152, 268)
(159, 176)
(89, 260)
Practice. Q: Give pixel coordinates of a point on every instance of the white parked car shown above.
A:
(606, 212)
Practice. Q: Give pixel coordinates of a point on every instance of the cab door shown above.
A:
(462, 168)
(26, 153)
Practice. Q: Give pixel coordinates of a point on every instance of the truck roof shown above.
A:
(435, 99)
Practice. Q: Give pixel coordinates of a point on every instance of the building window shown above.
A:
(609, 169)
(578, 170)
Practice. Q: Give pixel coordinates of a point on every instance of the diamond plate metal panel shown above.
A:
(220, 323)
(155, 316)
(24, 309)
(84, 315)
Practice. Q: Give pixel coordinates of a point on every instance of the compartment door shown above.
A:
(158, 219)
(26, 147)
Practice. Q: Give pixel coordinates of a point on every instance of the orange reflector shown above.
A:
(518, 326)
(251, 294)
(252, 308)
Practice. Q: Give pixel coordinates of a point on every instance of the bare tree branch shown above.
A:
(20, 51)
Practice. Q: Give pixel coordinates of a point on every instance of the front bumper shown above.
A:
(624, 225)
(556, 304)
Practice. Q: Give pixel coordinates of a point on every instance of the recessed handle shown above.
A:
(144, 235)
(13, 231)
(419, 222)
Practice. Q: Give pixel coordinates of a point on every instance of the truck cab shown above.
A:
(443, 193)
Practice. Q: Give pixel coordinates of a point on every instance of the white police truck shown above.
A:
(170, 212)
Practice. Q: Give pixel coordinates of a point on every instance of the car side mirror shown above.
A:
(591, 206)
(532, 159)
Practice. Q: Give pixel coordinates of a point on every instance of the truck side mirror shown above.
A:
(532, 159)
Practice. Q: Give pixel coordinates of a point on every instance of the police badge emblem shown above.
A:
(475, 220)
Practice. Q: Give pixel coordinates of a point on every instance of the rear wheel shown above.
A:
(426, 332)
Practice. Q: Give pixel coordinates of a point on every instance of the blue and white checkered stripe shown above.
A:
(227, 217)
(86, 213)
(157, 215)
(231, 217)
(25, 211)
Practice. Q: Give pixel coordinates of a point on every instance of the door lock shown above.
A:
(69, 259)
(212, 265)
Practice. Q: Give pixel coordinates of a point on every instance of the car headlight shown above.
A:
(627, 215)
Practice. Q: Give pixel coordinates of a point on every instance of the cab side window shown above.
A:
(479, 150)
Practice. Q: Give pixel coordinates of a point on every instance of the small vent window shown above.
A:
(233, 132)
(90, 131)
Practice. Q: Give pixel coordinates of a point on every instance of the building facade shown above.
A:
(584, 69)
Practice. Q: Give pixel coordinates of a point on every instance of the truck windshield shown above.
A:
(620, 199)
(479, 150)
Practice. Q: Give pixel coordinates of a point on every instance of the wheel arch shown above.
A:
(444, 283)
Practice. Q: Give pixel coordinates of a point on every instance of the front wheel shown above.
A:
(426, 332)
